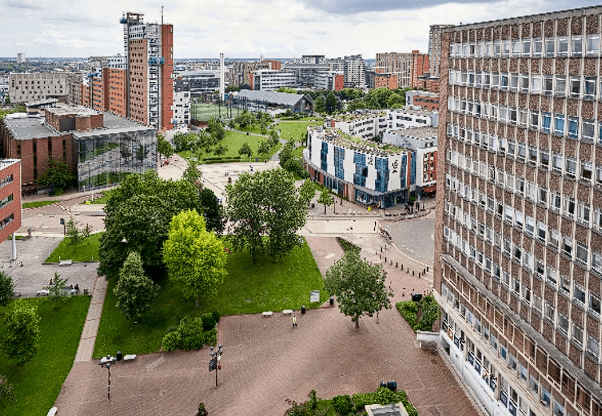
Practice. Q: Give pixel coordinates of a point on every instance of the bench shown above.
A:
(42, 292)
(65, 262)
(129, 357)
(52, 411)
(287, 311)
(267, 313)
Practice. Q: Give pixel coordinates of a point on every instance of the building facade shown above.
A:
(407, 66)
(355, 72)
(10, 197)
(365, 125)
(518, 235)
(425, 100)
(407, 118)
(181, 103)
(271, 80)
(435, 36)
(26, 87)
(200, 82)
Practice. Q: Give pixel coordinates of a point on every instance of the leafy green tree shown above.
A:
(7, 291)
(286, 153)
(331, 103)
(320, 105)
(265, 204)
(245, 119)
(75, 234)
(326, 198)
(216, 129)
(429, 313)
(139, 212)
(307, 191)
(213, 211)
(358, 285)
(163, 146)
(22, 333)
(274, 138)
(396, 101)
(356, 104)
(220, 150)
(245, 150)
(56, 290)
(192, 173)
(264, 148)
(134, 290)
(195, 258)
(56, 173)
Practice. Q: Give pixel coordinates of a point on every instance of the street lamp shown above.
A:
(106, 362)
(216, 357)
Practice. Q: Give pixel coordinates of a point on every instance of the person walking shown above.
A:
(294, 321)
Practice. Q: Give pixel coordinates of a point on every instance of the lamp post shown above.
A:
(106, 362)
(216, 357)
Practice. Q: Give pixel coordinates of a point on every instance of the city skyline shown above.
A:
(249, 28)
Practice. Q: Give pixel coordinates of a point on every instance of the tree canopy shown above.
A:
(265, 204)
(7, 290)
(57, 173)
(195, 258)
(326, 198)
(163, 146)
(358, 285)
(139, 212)
(22, 333)
(134, 290)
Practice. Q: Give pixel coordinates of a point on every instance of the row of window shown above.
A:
(562, 204)
(549, 47)
(6, 180)
(574, 86)
(524, 292)
(558, 124)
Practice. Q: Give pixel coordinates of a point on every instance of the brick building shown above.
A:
(426, 100)
(10, 197)
(518, 235)
(100, 148)
(407, 66)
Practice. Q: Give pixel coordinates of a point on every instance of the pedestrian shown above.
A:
(294, 321)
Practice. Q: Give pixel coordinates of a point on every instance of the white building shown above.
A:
(21, 57)
(355, 72)
(407, 117)
(367, 126)
(181, 104)
(271, 80)
(326, 80)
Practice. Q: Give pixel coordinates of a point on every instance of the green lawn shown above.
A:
(38, 382)
(248, 288)
(290, 130)
(38, 204)
(309, 118)
(234, 141)
(86, 251)
(298, 151)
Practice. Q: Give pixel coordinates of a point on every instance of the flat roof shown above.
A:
(27, 128)
(78, 110)
(272, 97)
(418, 132)
(4, 163)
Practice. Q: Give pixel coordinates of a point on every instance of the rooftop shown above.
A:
(77, 110)
(345, 140)
(413, 111)
(271, 97)
(7, 162)
(418, 132)
(355, 116)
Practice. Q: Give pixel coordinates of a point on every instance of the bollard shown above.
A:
(390, 262)
(381, 249)
(407, 270)
(385, 259)
(402, 267)
(418, 274)
(396, 264)
(423, 271)
(412, 272)
(427, 268)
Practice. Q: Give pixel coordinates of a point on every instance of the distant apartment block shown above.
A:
(407, 118)
(425, 100)
(271, 80)
(10, 197)
(26, 87)
(407, 66)
(380, 80)
(200, 82)
(355, 72)
(435, 34)
(330, 81)
(181, 103)
(306, 70)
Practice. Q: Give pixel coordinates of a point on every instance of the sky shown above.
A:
(249, 28)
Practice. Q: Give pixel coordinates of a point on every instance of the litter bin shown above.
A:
(303, 309)
(119, 355)
(389, 384)
(416, 297)
(332, 301)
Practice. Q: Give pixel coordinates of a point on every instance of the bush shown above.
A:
(346, 245)
(216, 316)
(191, 333)
(171, 341)
(208, 322)
(363, 399)
(342, 404)
(385, 396)
(202, 411)
(210, 337)
(408, 309)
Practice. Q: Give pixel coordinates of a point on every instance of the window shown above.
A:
(587, 129)
(534, 385)
(563, 322)
(537, 46)
(594, 303)
(576, 45)
(562, 46)
(541, 231)
(581, 254)
(567, 245)
(592, 45)
(536, 84)
(577, 334)
(546, 120)
(549, 312)
(548, 84)
(511, 361)
(565, 285)
(589, 88)
(573, 127)
(559, 124)
(579, 294)
(557, 409)
(545, 397)
(537, 304)
(575, 86)
(544, 158)
(569, 206)
(560, 86)
(571, 167)
(593, 345)
(523, 373)
(549, 47)
(557, 162)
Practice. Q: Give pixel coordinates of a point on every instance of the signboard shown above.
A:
(212, 364)
(314, 296)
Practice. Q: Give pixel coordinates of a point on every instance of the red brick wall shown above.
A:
(420, 65)
(82, 123)
(13, 207)
(339, 82)
(96, 121)
(138, 91)
(166, 77)
(389, 81)
(117, 104)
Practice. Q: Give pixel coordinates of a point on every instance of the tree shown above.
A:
(216, 129)
(358, 285)
(56, 289)
(274, 138)
(76, 235)
(192, 173)
(326, 198)
(307, 191)
(265, 204)
(220, 150)
(56, 173)
(213, 211)
(22, 333)
(331, 103)
(245, 150)
(163, 146)
(138, 214)
(264, 148)
(134, 290)
(195, 258)
(286, 153)
(320, 105)
(7, 291)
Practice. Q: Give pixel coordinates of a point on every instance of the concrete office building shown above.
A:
(200, 82)
(271, 80)
(366, 125)
(425, 100)
(518, 234)
(25, 87)
(435, 33)
(307, 69)
(181, 103)
(329, 80)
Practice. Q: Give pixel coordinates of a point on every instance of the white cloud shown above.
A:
(246, 28)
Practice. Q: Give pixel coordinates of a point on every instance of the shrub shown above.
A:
(342, 404)
(363, 399)
(408, 309)
(191, 333)
(346, 245)
(429, 313)
(6, 391)
(385, 396)
(208, 322)
(171, 341)
(202, 411)
(216, 316)
(210, 337)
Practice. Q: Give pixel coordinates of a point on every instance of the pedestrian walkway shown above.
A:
(88, 338)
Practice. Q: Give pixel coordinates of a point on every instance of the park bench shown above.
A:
(267, 313)
(42, 292)
(287, 311)
(52, 411)
(65, 262)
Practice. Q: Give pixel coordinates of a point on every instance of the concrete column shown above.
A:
(14, 254)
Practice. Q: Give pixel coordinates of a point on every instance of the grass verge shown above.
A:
(38, 204)
(38, 382)
(87, 250)
(248, 288)
(295, 130)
